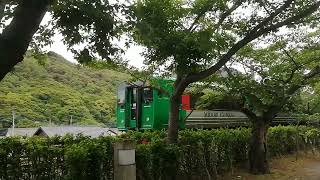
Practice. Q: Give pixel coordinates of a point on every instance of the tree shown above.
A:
(193, 39)
(91, 22)
(307, 104)
(272, 77)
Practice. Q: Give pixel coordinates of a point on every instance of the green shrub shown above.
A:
(199, 153)
(56, 158)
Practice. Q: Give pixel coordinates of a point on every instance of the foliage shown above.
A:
(56, 158)
(95, 23)
(98, 19)
(199, 153)
(192, 39)
(188, 36)
(272, 76)
(306, 104)
(54, 92)
(214, 99)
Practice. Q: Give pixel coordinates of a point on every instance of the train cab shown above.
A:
(141, 106)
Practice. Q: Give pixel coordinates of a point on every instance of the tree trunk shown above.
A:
(258, 147)
(16, 37)
(174, 119)
(175, 100)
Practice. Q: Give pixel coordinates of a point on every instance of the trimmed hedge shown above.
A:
(77, 158)
(203, 153)
(198, 155)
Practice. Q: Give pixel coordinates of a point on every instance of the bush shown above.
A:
(198, 154)
(203, 153)
(56, 158)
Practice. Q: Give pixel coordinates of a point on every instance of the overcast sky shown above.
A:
(132, 54)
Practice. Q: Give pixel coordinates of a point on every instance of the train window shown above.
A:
(162, 94)
(133, 103)
(134, 96)
(147, 95)
(121, 95)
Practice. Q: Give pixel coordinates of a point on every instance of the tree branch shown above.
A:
(294, 70)
(228, 12)
(272, 111)
(248, 113)
(313, 73)
(294, 19)
(228, 71)
(222, 17)
(15, 39)
(2, 8)
(251, 36)
(290, 57)
(272, 16)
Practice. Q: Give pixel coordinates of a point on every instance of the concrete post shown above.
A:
(124, 160)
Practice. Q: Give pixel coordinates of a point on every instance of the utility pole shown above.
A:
(13, 119)
(71, 120)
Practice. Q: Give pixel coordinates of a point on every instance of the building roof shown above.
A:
(21, 131)
(74, 130)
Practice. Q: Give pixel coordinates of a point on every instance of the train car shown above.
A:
(142, 107)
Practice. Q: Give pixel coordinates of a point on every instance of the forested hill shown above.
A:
(58, 91)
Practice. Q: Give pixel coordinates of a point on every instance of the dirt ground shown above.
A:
(304, 166)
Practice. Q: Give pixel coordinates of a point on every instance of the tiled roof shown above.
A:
(21, 131)
(75, 130)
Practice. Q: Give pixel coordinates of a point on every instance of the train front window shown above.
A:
(121, 95)
(133, 103)
(147, 95)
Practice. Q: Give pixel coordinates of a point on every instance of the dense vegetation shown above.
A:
(56, 90)
(199, 154)
(189, 39)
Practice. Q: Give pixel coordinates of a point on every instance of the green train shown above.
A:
(141, 107)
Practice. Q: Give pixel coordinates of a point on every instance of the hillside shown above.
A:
(58, 91)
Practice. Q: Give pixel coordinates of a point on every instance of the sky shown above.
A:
(132, 54)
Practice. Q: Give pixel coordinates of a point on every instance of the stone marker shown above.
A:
(124, 160)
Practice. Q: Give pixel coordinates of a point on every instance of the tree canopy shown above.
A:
(271, 78)
(92, 24)
(193, 39)
(278, 72)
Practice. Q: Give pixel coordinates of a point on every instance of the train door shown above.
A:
(135, 96)
(129, 107)
(122, 106)
(147, 118)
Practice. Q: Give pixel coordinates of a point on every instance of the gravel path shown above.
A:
(306, 167)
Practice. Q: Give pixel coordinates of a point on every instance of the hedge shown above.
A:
(203, 153)
(77, 158)
(198, 155)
